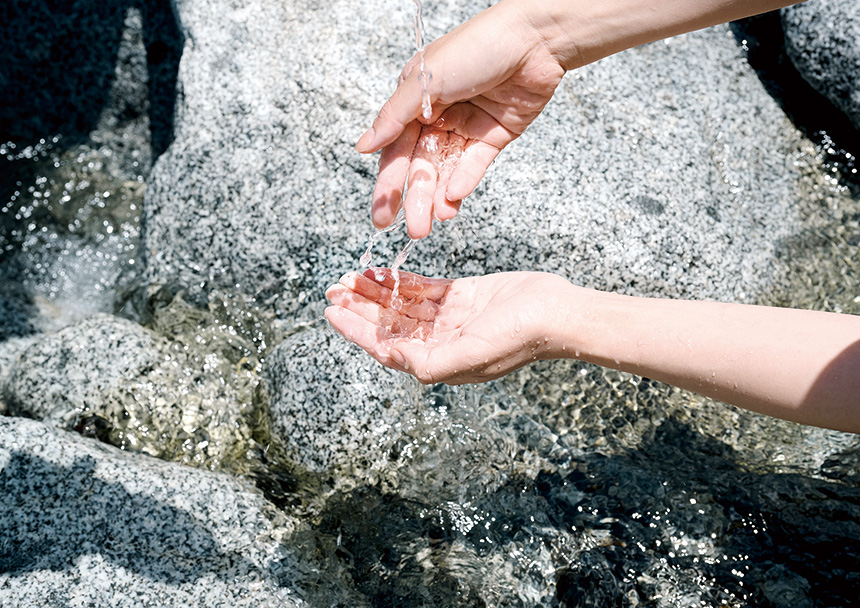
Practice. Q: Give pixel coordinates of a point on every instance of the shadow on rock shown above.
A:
(684, 504)
(18, 309)
(60, 60)
(679, 518)
(53, 515)
(763, 38)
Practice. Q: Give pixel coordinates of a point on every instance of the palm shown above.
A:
(467, 330)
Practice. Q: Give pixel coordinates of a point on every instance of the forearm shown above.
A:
(579, 32)
(797, 365)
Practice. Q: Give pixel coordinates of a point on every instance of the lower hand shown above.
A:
(453, 331)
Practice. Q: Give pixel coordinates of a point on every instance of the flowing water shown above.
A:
(426, 107)
(427, 112)
(563, 484)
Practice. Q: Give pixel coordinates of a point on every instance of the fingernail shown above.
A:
(365, 141)
(398, 358)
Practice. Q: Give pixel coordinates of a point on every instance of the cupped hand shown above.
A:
(453, 331)
(490, 78)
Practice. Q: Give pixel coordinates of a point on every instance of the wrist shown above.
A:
(567, 313)
(579, 32)
(591, 325)
(553, 26)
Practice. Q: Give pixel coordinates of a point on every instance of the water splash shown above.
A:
(396, 300)
(366, 258)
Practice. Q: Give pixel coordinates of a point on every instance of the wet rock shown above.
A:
(80, 116)
(262, 190)
(822, 38)
(591, 582)
(67, 373)
(335, 411)
(89, 524)
(110, 378)
(341, 414)
(786, 589)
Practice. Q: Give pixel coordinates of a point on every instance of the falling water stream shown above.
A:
(427, 112)
(426, 107)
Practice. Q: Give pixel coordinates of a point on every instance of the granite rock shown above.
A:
(822, 38)
(336, 411)
(110, 378)
(87, 524)
(64, 374)
(644, 174)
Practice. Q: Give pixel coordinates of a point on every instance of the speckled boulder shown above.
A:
(644, 174)
(67, 373)
(822, 38)
(335, 409)
(113, 379)
(340, 413)
(87, 524)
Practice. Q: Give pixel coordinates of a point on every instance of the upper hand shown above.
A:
(453, 331)
(491, 77)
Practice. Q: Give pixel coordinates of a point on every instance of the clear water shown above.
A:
(426, 107)
(427, 111)
(562, 484)
(366, 259)
(396, 300)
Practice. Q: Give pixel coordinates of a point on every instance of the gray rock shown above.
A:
(111, 378)
(87, 524)
(644, 174)
(9, 351)
(90, 70)
(822, 38)
(65, 374)
(786, 589)
(335, 410)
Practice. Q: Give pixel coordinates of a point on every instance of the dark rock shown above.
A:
(822, 38)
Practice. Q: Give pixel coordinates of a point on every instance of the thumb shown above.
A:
(402, 107)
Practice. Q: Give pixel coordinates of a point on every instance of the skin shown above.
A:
(491, 78)
(798, 365)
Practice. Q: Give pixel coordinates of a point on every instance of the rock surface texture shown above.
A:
(822, 38)
(110, 378)
(86, 524)
(666, 170)
(643, 174)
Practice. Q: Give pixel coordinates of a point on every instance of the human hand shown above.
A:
(491, 77)
(454, 331)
